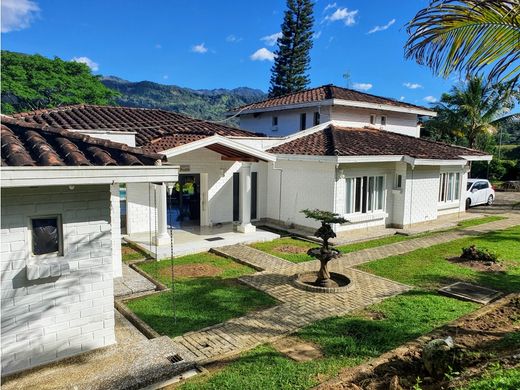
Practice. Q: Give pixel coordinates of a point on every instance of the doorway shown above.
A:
(184, 204)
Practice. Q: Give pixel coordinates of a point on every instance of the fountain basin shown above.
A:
(339, 283)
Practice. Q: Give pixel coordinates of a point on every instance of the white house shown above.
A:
(374, 175)
(288, 114)
(59, 235)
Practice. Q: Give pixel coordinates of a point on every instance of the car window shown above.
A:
(484, 184)
(469, 186)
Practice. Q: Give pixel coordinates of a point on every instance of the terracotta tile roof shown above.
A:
(31, 144)
(325, 92)
(336, 141)
(149, 124)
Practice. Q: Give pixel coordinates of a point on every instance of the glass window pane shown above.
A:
(450, 186)
(370, 193)
(45, 236)
(457, 185)
(379, 193)
(365, 194)
(349, 194)
(357, 199)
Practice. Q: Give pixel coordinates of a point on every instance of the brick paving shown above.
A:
(131, 283)
(299, 308)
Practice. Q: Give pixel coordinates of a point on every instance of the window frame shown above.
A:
(383, 119)
(59, 223)
(316, 118)
(303, 121)
(372, 119)
(355, 185)
(274, 122)
(449, 187)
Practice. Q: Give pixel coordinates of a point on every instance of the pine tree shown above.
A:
(293, 52)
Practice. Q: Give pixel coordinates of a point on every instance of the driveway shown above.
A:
(505, 202)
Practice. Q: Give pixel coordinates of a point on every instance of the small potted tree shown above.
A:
(324, 253)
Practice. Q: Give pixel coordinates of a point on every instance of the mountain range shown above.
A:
(210, 104)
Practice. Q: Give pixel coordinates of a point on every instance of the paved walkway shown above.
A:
(131, 283)
(298, 307)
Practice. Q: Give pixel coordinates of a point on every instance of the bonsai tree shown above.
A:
(324, 254)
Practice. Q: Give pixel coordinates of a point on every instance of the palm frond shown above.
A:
(467, 35)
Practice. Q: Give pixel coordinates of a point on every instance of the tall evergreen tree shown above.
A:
(292, 55)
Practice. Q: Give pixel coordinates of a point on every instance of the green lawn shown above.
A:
(199, 301)
(428, 267)
(279, 246)
(345, 341)
(496, 378)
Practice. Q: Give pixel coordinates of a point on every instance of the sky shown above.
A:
(205, 44)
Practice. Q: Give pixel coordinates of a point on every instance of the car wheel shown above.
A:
(490, 200)
(468, 203)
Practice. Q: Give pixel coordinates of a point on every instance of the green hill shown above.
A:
(203, 104)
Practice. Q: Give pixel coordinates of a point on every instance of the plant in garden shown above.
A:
(325, 253)
(474, 253)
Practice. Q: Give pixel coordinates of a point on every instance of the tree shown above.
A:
(469, 36)
(31, 82)
(293, 52)
(471, 111)
(325, 232)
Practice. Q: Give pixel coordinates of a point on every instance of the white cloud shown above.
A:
(430, 99)
(233, 38)
(362, 86)
(201, 49)
(316, 35)
(270, 40)
(381, 28)
(329, 6)
(263, 55)
(348, 17)
(401, 98)
(18, 14)
(412, 85)
(87, 61)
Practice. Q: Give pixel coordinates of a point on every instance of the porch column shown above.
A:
(162, 237)
(245, 199)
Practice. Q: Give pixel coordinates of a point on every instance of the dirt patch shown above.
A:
(291, 249)
(191, 271)
(477, 265)
(479, 340)
(298, 349)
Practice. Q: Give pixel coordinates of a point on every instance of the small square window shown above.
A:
(316, 119)
(383, 120)
(372, 119)
(46, 235)
(399, 181)
(274, 121)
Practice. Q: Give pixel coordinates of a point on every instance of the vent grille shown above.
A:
(175, 358)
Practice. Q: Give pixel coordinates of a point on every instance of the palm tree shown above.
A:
(472, 109)
(469, 36)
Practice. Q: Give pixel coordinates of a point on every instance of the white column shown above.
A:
(115, 221)
(245, 199)
(162, 237)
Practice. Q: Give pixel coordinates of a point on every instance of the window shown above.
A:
(274, 121)
(383, 120)
(365, 194)
(372, 119)
(45, 235)
(398, 181)
(316, 121)
(449, 187)
(303, 121)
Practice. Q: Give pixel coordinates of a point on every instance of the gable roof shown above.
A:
(30, 144)
(325, 93)
(156, 130)
(343, 141)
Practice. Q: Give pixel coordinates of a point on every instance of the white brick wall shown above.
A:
(51, 318)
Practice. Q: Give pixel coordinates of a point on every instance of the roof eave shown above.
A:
(384, 107)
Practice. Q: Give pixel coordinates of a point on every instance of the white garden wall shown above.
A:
(54, 317)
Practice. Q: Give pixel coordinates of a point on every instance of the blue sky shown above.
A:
(212, 44)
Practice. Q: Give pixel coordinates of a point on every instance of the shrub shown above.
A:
(473, 253)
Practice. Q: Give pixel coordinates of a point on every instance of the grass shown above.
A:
(275, 247)
(428, 267)
(345, 341)
(199, 301)
(131, 254)
(496, 378)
